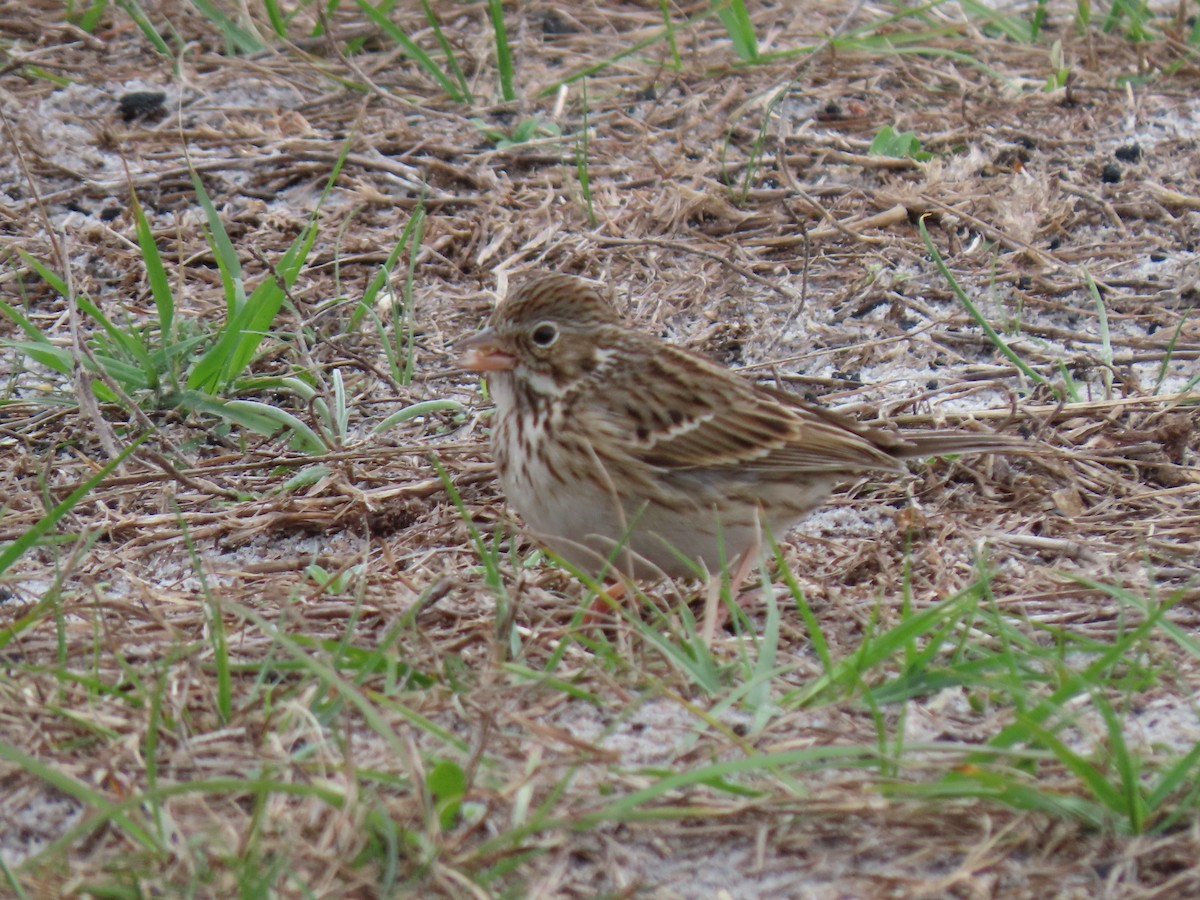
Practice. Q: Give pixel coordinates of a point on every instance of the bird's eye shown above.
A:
(545, 334)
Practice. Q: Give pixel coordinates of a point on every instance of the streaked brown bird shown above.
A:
(617, 447)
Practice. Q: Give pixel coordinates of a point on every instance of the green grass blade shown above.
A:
(581, 159)
(1185, 773)
(44, 272)
(277, 17)
(635, 47)
(626, 808)
(134, 10)
(414, 233)
(250, 320)
(91, 16)
(1007, 24)
(137, 370)
(997, 341)
(366, 305)
(1091, 777)
(448, 52)
(216, 631)
(227, 259)
(411, 49)
(1170, 351)
(894, 44)
(238, 39)
(737, 24)
(12, 551)
(503, 53)
(262, 418)
(38, 347)
(59, 359)
(1073, 683)
(664, 7)
(156, 273)
(416, 411)
(81, 791)
(1128, 768)
(1106, 351)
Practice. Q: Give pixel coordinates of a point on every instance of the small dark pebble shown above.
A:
(1110, 174)
(1011, 158)
(1130, 153)
(1157, 256)
(553, 23)
(109, 213)
(142, 105)
(1055, 242)
(867, 306)
(1024, 282)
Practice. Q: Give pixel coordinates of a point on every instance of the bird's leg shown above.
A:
(714, 612)
(606, 601)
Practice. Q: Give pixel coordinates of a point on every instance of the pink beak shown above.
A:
(482, 353)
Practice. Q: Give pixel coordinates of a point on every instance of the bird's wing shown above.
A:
(679, 420)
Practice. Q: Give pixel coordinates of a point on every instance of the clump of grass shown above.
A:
(582, 144)
(174, 364)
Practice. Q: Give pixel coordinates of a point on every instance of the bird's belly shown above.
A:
(644, 537)
(579, 523)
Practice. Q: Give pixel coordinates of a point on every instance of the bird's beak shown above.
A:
(483, 352)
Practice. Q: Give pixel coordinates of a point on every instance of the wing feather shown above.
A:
(684, 421)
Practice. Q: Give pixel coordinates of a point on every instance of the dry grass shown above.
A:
(188, 707)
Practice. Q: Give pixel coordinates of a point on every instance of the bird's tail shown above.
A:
(915, 444)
